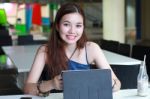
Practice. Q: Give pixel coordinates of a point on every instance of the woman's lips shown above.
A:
(71, 37)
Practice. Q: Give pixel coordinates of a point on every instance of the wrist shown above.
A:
(51, 83)
(114, 84)
(38, 86)
(41, 92)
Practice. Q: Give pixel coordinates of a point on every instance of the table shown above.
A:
(117, 59)
(129, 94)
(122, 94)
(19, 97)
(23, 57)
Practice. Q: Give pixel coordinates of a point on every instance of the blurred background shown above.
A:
(35, 17)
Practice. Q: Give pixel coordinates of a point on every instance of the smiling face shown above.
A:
(71, 28)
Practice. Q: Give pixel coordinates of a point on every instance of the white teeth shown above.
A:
(71, 37)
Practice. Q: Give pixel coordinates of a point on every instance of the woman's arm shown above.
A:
(46, 86)
(116, 85)
(43, 87)
(32, 86)
(35, 72)
(100, 61)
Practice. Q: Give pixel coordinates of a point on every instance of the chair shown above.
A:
(5, 41)
(3, 21)
(127, 74)
(3, 17)
(8, 85)
(109, 45)
(8, 80)
(124, 49)
(28, 40)
(138, 52)
(40, 41)
(25, 40)
(96, 41)
(4, 32)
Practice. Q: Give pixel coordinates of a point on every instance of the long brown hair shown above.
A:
(56, 57)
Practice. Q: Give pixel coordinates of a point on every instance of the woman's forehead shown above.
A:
(72, 17)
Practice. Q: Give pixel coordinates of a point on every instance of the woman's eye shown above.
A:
(78, 26)
(66, 24)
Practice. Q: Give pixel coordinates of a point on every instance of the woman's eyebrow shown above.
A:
(66, 21)
(79, 23)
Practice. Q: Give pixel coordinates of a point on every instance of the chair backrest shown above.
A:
(124, 49)
(28, 40)
(5, 41)
(25, 40)
(40, 41)
(109, 45)
(127, 74)
(138, 52)
(8, 80)
(4, 32)
(96, 41)
(3, 17)
(8, 85)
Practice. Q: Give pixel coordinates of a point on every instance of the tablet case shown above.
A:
(87, 84)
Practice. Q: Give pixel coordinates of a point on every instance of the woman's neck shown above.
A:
(70, 48)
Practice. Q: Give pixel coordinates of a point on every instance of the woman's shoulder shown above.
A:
(92, 45)
(42, 48)
(93, 50)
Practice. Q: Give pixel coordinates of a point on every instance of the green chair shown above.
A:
(3, 20)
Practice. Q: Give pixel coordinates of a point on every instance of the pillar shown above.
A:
(114, 20)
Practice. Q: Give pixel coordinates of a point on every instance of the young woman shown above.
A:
(67, 48)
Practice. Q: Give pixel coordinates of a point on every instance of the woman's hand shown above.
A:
(31, 88)
(57, 82)
(116, 85)
(46, 86)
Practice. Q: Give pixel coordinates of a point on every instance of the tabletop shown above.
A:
(117, 59)
(122, 94)
(23, 57)
(21, 97)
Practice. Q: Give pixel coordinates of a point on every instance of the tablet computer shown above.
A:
(87, 84)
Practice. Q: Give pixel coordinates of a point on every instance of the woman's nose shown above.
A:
(72, 30)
